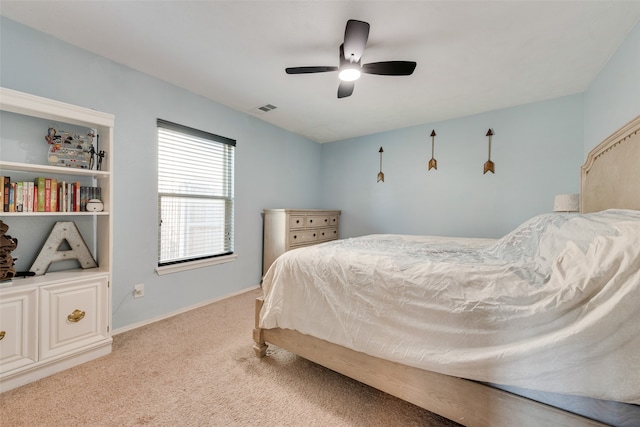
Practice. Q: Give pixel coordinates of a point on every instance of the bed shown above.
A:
(510, 339)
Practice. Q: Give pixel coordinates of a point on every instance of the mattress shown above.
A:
(552, 306)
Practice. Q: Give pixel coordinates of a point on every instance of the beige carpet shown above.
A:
(199, 369)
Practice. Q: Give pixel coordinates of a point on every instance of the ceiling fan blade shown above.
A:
(346, 89)
(308, 70)
(390, 68)
(356, 35)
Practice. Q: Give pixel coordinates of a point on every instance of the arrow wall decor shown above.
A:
(489, 166)
(380, 174)
(433, 163)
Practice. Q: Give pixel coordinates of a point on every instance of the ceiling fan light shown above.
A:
(349, 74)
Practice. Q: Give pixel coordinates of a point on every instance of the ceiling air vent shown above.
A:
(265, 108)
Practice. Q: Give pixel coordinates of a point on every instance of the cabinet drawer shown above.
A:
(296, 222)
(325, 234)
(317, 221)
(73, 315)
(18, 342)
(300, 237)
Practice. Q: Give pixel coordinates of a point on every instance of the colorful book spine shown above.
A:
(6, 184)
(39, 191)
(69, 197)
(12, 197)
(76, 197)
(29, 193)
(1, 193)
(47, 194)
(19, 197)
(53, 207)
(61, 196)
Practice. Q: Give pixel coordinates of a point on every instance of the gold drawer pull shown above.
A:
(2, 334)
(76, 316)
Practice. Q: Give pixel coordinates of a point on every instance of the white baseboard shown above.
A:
(183, 310)
(53, 365)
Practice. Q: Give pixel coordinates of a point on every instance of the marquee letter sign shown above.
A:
(51, 252)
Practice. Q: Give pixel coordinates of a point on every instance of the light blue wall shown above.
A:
(613, 99)
(537, 151)
(274, 168)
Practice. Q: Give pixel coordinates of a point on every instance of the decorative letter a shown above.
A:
(50, 251)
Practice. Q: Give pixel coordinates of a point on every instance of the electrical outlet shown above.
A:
(138, 291)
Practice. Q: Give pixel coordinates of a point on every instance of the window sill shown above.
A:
(191, 265)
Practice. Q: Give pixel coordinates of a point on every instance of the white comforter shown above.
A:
(552, 306)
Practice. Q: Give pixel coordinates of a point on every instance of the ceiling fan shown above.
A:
(356, 35)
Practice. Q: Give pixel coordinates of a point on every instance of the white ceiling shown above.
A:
(473, 56)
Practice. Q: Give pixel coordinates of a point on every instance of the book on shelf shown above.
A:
(47, 195)
(54, 196)
(6, 189)
(30, 195)
(2, 193)
(76, 197)
(19, 197)
(12, 197)
(39, 184)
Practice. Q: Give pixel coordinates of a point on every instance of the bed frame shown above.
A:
(610, 178)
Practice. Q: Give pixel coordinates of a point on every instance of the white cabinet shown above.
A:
(53, 321)
(286, 229)
(18, 326)
(73, 315)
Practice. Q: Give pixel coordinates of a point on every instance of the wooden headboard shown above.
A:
(610, 178)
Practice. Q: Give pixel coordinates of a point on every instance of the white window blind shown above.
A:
(195, 194)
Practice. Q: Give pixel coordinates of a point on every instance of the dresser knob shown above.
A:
(295, 237)
(314, 234)
(325, 220)
(2, 334)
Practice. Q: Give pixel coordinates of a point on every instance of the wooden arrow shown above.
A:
(380, 174)
(489, 166)
(433, 163)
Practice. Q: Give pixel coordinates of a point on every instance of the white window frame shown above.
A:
(190, 189)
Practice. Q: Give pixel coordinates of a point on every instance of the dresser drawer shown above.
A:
(73, 316)
(315, 221)
(18, 336)
(301, 237)
(325, 234)
(297, 222)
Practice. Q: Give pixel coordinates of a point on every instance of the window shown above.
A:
(195, 194)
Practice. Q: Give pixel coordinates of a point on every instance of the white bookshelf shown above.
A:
(62, 318)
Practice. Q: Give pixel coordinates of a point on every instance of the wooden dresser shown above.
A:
(286, 229)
